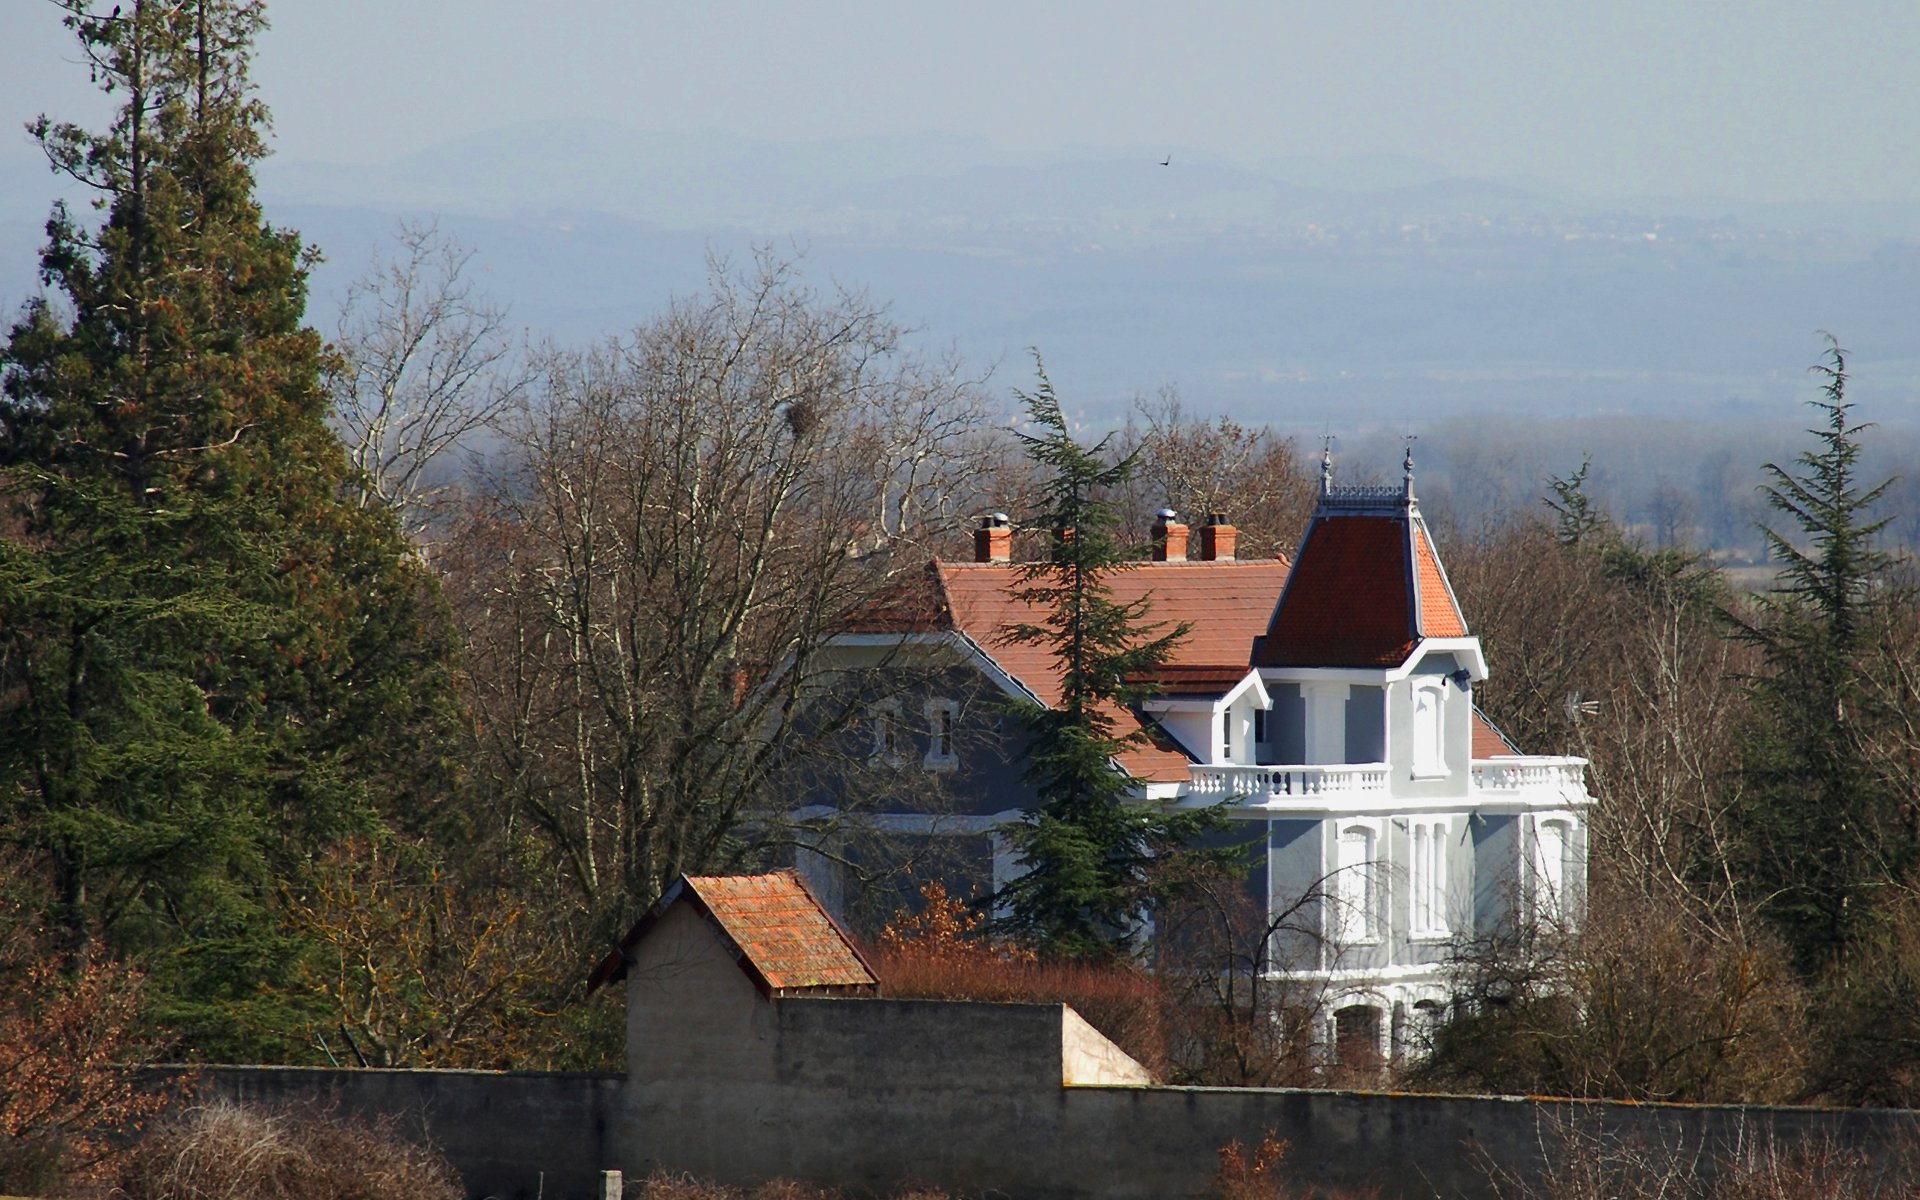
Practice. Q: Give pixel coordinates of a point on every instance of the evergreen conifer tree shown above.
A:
(1096, 859)
(209, 664)
(1824, 839)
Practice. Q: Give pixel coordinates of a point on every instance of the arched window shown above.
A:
(1356, 1038)
(1554, 869)
(942, 715)
(1355, 891)
(1429, 727)
(1428, 1016)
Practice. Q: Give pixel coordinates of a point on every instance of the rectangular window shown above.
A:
(1427, 880)
(886, 731)
(942, 716)
(1259, 726)
(1226, 736)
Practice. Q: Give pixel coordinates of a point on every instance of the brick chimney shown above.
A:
(1217, 539)
(993, 541)
(1169, 537)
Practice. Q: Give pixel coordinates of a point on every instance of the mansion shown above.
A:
(1327, 703)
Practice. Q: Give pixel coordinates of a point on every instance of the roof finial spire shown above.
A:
(1326, 464)
(1407, 466)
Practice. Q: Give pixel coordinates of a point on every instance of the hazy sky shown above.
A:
(1766, 99)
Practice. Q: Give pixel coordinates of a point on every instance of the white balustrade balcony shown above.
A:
(1261, 783)
(1370, 784)
(1531, 774)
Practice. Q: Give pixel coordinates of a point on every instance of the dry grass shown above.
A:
(1586, 1164)
(662, 1186)
(225, 1151)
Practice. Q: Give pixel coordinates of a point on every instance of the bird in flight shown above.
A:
(1167, 161)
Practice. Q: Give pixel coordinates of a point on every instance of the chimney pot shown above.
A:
(1169, 538)
(993, 541)
(1217, 539)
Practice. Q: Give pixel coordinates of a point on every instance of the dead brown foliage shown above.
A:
(939, 954)
(1257, 1173)
(226, 1151)
(66, 1038)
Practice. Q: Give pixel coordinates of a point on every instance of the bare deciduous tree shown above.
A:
(1250, 474)
(422, 362)
(689, 516)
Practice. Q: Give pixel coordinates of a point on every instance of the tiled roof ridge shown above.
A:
(780, 934)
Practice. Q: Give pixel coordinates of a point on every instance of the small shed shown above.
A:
(773, 928)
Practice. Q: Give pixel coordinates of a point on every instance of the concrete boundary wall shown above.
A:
(531, 1136)
(519, 1136)
(512, 1135)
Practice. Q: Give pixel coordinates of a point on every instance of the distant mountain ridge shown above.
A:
(1294, 290)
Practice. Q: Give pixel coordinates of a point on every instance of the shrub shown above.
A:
(1586, 1161)
(1255, 1174)
(66, 1037)
(226, 1151)
(940, 953)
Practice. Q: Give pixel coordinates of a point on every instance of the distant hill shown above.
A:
(1298, 291)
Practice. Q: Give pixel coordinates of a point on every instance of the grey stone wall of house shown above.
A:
(1496, 871)
(1366, 724)
(1296, 858)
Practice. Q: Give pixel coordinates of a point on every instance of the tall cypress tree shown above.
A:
(1823, 838)
(1097, 860)
(209, 664)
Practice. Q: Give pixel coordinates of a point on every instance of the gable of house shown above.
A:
(774, 929)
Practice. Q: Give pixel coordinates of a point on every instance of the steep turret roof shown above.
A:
(1367, 585)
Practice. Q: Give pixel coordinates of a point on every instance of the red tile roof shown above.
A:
(780, 935)
(1227, 605)
(1195, 680)
(909, 603)
(1439, 612)
(1347, 601)
(1488, 741)
(1367, 587)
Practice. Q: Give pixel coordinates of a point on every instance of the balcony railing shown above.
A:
(1260, 784)
(1264, 782)
(1530, 774)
